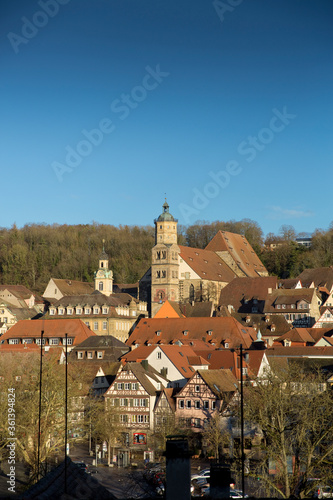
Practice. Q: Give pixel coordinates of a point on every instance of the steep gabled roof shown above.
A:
(320, 276)
(288, 297)
(206, 264)
(219, 381)
(73, 287)
(169, 309)
(240, 250)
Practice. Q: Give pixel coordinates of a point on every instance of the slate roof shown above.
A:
(240, 250)
(112, 348)
(207, 264)
(188, 329)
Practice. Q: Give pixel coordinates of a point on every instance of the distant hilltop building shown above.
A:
(183, 274)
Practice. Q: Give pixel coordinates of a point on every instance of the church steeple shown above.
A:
(104, 276)
(166, 227)
(165, 261)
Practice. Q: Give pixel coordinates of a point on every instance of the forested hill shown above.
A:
(36, 252)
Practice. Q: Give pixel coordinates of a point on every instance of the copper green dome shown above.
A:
(165, 216)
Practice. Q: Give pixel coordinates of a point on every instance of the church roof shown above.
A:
(165, 215)
(240, 250)
(206, 264)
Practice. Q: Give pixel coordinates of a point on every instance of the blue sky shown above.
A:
(223, 105)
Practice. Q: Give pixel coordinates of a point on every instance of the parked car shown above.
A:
(205, 473)
(82, 466)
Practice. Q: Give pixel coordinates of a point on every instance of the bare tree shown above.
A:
(294, 410)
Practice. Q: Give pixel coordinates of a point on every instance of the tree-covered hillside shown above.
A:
(36, 252)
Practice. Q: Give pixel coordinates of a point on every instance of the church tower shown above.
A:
(104, 277)
(165, 261)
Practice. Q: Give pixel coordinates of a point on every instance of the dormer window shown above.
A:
(78, 310)
(61, 310)
(185, 332)
(105, 310)
(96, 310)
(52, 312)
(87, 310)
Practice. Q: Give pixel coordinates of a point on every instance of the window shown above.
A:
(197, 388)
(27, 341)
(69, 311)
(78, 310)
(99, 355)
(120, 386)
(100, 286)
(188, 403)
(197, 423)
(105, 325)
(123, 402)
(123, 419)
(158, 274)
(54, 341)
(80, 355)
(197, 405)
(181, 404)
(69, 341)
(52, 312)
(136, 402)
(127, 386)
(135, 387)
(206, 405)
(61, 310)
(143, 402)
(16, 341)
(87, 310)
(158, 355)
(213, 405)
(163, 274)
(89, 354)
(38, 341)
(87, 323)
(105, 310)
(95, 325)
(140, 419)
(96, 310)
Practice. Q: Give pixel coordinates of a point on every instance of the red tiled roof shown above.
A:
(320, 276)
(75, 328)
(208, 265)
(190, 329)
(246, 288)
(240, 250)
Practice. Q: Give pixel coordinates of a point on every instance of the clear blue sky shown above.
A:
(225, 106)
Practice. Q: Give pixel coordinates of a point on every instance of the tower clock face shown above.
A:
(100, 273)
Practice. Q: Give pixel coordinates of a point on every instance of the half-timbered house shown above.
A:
(206, 392)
